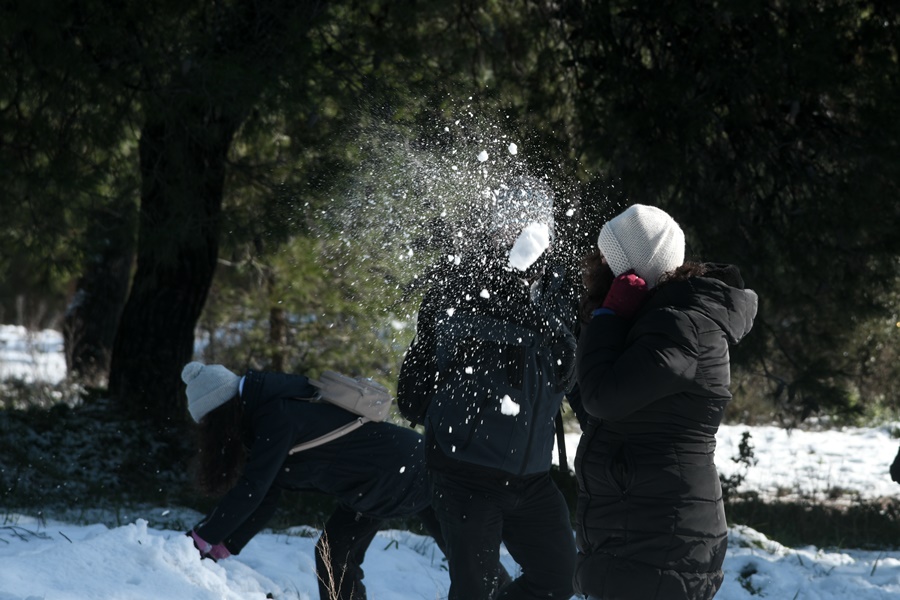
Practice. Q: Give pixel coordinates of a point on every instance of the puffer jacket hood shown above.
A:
(719, 294)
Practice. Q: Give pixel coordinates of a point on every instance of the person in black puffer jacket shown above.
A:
(653, 371)
(247, 428)
(492, 359)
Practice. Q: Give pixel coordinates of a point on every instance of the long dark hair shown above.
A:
(598, 278)
(220, 449)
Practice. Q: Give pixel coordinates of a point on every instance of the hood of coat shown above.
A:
(719, 294)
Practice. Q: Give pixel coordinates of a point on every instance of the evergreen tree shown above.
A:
(767, 129)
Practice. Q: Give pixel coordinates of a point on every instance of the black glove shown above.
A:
(895, 468)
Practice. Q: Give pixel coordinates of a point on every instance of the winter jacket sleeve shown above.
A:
(624, 366)
(415, 384)
(273, 439)
(236, 541)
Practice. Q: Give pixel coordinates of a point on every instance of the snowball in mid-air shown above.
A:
(513, 149)
(529, 246)
(508, 406)
(482, 156)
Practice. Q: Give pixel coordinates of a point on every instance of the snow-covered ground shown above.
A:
(64, 561)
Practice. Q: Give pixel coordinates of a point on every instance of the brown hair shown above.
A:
(685, 271)
(220, 448)
(597, 278)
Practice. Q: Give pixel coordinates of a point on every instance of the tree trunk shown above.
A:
(184, 144)
(183, 169)
(93, 313)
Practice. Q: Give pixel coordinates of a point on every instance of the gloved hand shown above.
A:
(218, 552)
(626, 295)
(207, 550)
(895, 468)
(200, 544)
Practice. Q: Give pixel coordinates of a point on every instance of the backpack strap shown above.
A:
(331, 435)
(561, 442)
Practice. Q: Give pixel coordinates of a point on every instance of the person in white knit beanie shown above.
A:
(248, 432)
(653, 374)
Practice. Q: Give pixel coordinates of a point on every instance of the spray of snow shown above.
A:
(438, 196)
(529, 246)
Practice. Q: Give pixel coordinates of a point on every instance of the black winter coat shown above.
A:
(483, 337)
(650, 521)
(377, 470)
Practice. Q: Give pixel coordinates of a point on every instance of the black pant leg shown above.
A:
(470, 512)
(340, 552)
(538, 534)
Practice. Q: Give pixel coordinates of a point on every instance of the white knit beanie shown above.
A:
(208, 387)
(643, 238)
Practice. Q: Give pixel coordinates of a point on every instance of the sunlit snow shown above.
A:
(529, 246)
(129, 558)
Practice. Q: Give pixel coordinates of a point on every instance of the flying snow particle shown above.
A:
(513, 149)
(450, 312)
(482, 156)
(485, 294)
(508, 406)
(530, 244)
(402, 469)
(469, 370)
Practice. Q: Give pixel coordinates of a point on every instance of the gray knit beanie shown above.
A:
(208, 387)
(643, 238)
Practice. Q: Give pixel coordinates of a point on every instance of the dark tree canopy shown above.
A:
(144, 145)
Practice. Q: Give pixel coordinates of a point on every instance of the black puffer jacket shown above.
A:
(484, 336)
(377, 470)
(650, 521)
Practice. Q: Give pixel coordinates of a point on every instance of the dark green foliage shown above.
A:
(766, 128)
(867, 525)
(745, 459)
(66, 152)
(88, 456)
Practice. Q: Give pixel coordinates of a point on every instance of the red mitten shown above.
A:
(626, 295)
